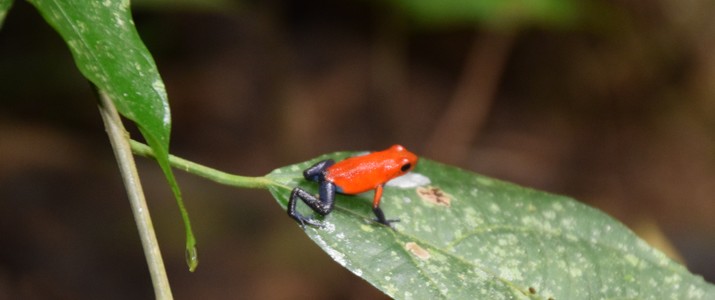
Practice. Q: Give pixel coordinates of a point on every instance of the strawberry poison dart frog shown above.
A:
(351, 176)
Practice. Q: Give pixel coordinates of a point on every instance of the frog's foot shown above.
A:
(381, 218)
(302, 221)
(387, 223)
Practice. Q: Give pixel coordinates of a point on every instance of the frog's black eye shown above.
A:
(406, 167)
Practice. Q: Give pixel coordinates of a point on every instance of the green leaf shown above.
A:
(108, 51)
(4, 8)
(480, 238)
(500, 13)
(200, 6)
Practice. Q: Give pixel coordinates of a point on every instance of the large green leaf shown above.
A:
(108, 51)
(487, 239)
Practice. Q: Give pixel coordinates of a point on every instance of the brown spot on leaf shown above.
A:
(532, 290)
(417, 250)
(434, 195)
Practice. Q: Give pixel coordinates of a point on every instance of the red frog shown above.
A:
(351, 176)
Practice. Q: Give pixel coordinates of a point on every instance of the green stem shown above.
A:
(206, 172)
(119, 139)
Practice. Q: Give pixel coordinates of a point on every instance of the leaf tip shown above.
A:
(192, 257)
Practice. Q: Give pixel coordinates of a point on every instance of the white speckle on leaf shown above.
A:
(329, 227)
(662, 258)
(529, 221)
(557, 206)
(472, 217)
(549, 214)
(695, 293)
(81, 27)
(673, 279)
(366, 228)
(391, 289)
(485, 181)
(568, 223)
(338, 256)
(604, 288)
(159, 88)
(409, 180)
(426, 228)
(632, 259)
(73, 44)
(118, 20)
(510, 274)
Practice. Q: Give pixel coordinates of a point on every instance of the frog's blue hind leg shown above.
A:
(323, 204)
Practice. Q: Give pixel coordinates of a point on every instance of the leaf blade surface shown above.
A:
(493, 240)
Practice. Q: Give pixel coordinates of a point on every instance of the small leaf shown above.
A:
(108, 51)
(4, 8)
(466, 236)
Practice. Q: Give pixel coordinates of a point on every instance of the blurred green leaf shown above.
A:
(108, 51)
(4, 8)
(497, 13)
(216, 6)
(488, 239)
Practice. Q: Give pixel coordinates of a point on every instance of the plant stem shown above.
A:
(206, 172)
(119, 139)
(467, 112)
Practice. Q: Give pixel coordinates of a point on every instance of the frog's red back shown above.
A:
(363, 173)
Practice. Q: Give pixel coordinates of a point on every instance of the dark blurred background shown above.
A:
(610, 102)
